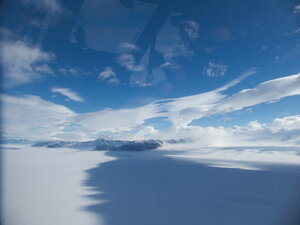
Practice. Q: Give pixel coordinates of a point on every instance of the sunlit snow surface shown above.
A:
(209, 186)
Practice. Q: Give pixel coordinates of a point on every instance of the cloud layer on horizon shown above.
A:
(46, 120)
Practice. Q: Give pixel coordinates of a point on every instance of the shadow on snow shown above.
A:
(143, 190)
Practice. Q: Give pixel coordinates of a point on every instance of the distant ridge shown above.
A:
(108, 145)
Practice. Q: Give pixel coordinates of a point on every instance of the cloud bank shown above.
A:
(32, 117)
(48, 120)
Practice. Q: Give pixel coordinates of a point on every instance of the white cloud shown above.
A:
(266, 92)
(253, 134)
(281, 131)
(116, 120)
(46, 120)
(64, 71)
(234, 82)
(68, 93)
(214, 69)
(22, 63)
(107, 73)
(286, 123)
(210, 49)
(297, 9)
(125, 119)
(32, 117)
(126, 47)
(128, 61)
(71, 71)
(113, 80)
(174, 48)
(49, 6)
(145, 79)
(263, 47)
(255, 125)
(44, 68)
(51, 120)
(6, 34)
(297, 31)
(138, 83)
(182, 111)
(191, 29)
(109, 76)
(170, 43)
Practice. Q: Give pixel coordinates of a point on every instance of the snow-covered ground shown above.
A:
(45, 186)
(206, 186)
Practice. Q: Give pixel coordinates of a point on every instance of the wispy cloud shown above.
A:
(49, 6)
(125, 47)
(191, 29)
(128, 61)
(297, 31)
(68, 93)
(269, 91)
(32, 117)
(244, 75)
(46, 120)
(69, 71)
(109, 120)
(297, 9)
(209, 49)
(6, 34)
(23, 63)
(214, 69)
(182, 111)
(109, 76)
(44, 68)
(263, 47)
(173, 42)
(116, 120)
(130, 122)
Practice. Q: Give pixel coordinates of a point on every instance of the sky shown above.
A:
(215, 72)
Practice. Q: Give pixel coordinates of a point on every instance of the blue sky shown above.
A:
(104, 62)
